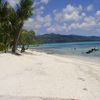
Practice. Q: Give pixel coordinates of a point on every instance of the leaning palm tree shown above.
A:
(17, 18)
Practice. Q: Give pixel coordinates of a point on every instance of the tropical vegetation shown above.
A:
(11, 24)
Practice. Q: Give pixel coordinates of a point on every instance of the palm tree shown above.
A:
(17, 18)
(12, 20)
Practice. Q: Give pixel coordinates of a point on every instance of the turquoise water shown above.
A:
(72, 48)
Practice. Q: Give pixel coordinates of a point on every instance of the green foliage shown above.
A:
(4, 23)
(25, 9)
(2, 47)
(29, 38)
(11, 24)
(26, 37)
(38, 41)
(1, 37)
(3, 11)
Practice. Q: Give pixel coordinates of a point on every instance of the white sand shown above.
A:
(43, 75)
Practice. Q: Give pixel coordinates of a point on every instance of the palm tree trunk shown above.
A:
(15, 41)
(14, 47)
(16, 38)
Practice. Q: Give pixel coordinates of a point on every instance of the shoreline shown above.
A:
(82, 57)
(44, 75)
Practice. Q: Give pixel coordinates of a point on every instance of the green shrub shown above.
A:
(2, 47)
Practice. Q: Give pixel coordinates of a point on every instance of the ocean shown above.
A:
(71, 48)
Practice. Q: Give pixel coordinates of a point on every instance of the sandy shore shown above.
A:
(38, 75)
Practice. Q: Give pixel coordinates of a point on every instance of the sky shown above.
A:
(78, 17)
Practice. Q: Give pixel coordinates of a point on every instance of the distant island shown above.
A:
(58, 38)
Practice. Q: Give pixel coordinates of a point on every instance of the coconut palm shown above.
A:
(23, 12)
(12, 20)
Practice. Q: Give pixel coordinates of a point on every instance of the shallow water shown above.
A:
(72, 48)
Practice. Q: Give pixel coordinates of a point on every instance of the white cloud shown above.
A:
(51, 29)
(99, 25)
(72, 17)
(90, 8)
(69, 8)
(69, 13)
(31, 24)
(64, 20)
(40, 6)
(87, 24)
(98, 13)
(45, 1)
(58, 17)
(83, 14)
(48, 21)
(38, 22)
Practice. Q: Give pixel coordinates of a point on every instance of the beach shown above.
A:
(37, 75)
